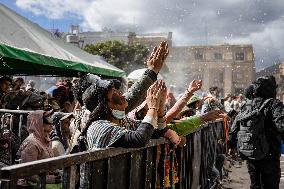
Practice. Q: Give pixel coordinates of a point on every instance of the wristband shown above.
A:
(188, 92)
(151, 120)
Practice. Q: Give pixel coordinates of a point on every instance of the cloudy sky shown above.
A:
(260, 22)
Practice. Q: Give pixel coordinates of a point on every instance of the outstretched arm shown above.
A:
(137, 93)
(195, 85)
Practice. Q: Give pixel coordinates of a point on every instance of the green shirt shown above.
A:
(187, 126)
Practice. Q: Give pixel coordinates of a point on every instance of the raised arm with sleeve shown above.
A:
(143, 133)
(177, 108)
(137, 93)
(194, 86)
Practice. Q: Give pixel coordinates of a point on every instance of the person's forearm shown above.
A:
(185, 127)
(177, 108)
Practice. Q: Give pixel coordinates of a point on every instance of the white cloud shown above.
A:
(192, 21)
(55, 9)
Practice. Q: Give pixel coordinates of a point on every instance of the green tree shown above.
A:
(127, 57)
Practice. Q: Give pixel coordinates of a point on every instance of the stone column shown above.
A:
(206, 78)
(228, 79)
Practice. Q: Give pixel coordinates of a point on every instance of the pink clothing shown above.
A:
(36, 146)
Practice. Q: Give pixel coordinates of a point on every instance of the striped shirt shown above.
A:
(103, 133)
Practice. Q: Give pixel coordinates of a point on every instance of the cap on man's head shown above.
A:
(193, 99)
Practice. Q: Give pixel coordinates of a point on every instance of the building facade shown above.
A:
(230, 67)
(150, 40)
(278, 72)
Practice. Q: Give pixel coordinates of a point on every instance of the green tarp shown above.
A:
(28, 49)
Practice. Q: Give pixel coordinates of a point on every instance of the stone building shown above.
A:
(230, 67)
(81, 39)
(278, 72)
(150, 40)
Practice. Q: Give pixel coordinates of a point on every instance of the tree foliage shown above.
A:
(127, 57)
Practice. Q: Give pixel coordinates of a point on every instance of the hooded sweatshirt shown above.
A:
(36, 146)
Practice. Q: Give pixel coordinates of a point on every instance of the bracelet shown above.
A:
(188, 92)
(151, 120)
(153, 108)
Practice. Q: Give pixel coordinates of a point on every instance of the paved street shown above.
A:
(239, 178)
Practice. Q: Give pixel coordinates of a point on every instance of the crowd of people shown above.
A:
(89, 113)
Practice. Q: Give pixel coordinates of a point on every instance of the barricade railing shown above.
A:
(130, 168)
(17, 126)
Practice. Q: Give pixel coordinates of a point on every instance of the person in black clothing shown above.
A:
(263, 167)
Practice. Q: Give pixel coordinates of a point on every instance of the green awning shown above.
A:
(18, 61)
(28, 49)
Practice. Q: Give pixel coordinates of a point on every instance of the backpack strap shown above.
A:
(264, 104)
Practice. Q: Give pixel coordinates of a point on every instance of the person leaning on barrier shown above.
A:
(257, 131)
(134, 96)
(109, 127)
(38, 145)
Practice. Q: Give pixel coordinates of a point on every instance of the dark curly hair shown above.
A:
(95, 100)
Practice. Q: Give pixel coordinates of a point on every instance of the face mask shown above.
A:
(118, 114)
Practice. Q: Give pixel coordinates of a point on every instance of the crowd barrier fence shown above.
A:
(131, 168)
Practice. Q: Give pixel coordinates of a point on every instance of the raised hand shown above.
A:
(194, 86)
(158, 57)
(152, 98)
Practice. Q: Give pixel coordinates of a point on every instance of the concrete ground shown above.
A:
(239, 177)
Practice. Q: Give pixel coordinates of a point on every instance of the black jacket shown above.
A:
(274, 126)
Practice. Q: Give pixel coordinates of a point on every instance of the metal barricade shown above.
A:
(130, 168)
